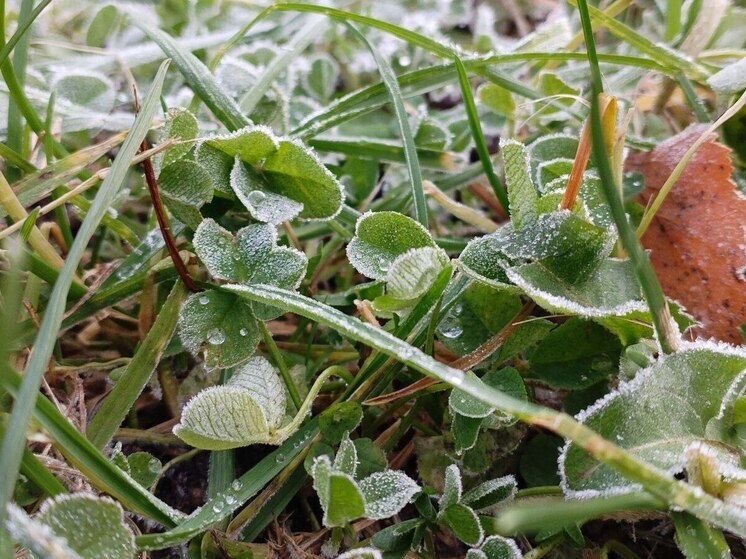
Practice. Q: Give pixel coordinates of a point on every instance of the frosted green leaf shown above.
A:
(485, 260)
(498, 547)
(251, 144)
(261, 379)
(38, 538)
(185, 186)
(248, 409)
(143, 467)
(264, 205)
(340, 497)
(475, 554)
(182, 126)
(220, 325)
(551, 85)
(93, 527)
(464, 404)
(452, 487)
(551, 147)
(218, 164)
(345, 460)
(252, 256)
(489, 493)
(91, 91)
(380, 238)
(611, 290)
(295, 172)
(507, 380)
(432, 134)
(386, 493)
(321, 78)
(464, 523)
(656, 415)
(729, 80)
(551, 170)
(361, 553)
(522, 194)
(696, 539)
(411, 274)
(479, 313)
(465, 431)
(222, 417)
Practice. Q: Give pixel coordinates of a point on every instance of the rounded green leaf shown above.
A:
(411, 274)
(464, 523)
(339, 494)
(386, 493)
(219, 325)
(380, 238)
(295, 172)
(93, 527)
(489, 493)
(656, 415)
(251, 144)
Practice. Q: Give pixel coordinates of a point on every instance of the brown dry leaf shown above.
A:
(698, 237)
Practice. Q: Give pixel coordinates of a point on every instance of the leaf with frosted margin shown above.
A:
(345, 460)
(452, 487)
(432, 134)
(246, 410)
(93, 527)
(480, 312)
(218, 164)
(697, 539)
(465, 431)
(730, 79)
(386, 493)
(488, 494)
(553, 170)
(294, 171)
(397, 537)
(38, 538)
(507, 380)
(655, 416)
(251, 144)
(611, 290)
(484, 260)
(411, 274)
(380, 238)
(143, 467)
(86, 98)
(182, 126)
(321, 78)
(252, 256)
(498, 547)
(340, 497)
(260, 379)
(550, 147)
(464, 523)
(222, 417)
(462, 403)
(521, 192)
(220, 325)
(361, 553)
(185, 186)
(264, 205)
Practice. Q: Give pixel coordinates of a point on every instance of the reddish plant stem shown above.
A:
(160, 214)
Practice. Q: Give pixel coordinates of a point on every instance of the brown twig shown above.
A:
(160, 214)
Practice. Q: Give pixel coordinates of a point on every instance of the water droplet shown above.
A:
(257, 196)
(236, 485)
(383, 264)
(451, 331)
(280, 458)
(458, 308)
(230, 500)
(218, 506)
(204, 300)
(243, 331)
(216, 336)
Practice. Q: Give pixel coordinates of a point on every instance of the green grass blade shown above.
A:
(375, 148)
(402, 119)
(199, 78)
(476, 131)
(115, 406)
(22, 28)
(666, 329)
(14, 440)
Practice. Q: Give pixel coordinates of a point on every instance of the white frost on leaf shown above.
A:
(386, 493)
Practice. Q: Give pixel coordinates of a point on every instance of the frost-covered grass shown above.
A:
(378, 277)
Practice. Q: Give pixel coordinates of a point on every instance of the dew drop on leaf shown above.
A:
(204, 300)
(216, 336)
(257, 196)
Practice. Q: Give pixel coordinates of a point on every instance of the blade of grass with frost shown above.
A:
(375, 148)
(199, 78)
(665, 327)
(410, 152)
(118, 402)
(83, 456)
(672, 59)
(677, 493)
(478, 135)
(313, 28)
(15, 438)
